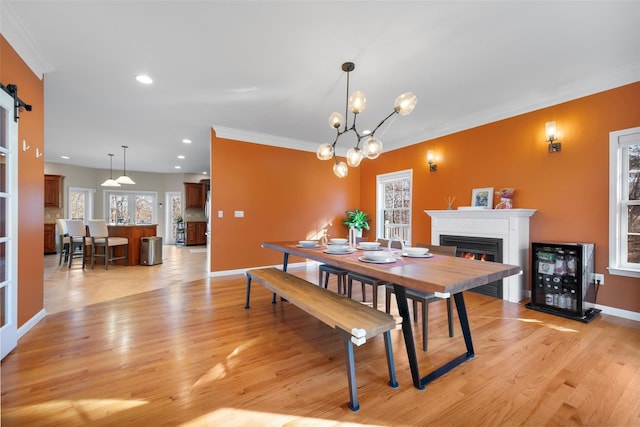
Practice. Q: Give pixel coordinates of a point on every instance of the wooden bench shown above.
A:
(356, 322)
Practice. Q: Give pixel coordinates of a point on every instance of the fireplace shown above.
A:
(509, 226)
(480, 248)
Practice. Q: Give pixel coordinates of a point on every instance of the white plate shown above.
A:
(348, 251)
(385, 261)
(308, 247)
(369, 249)
(418, 256)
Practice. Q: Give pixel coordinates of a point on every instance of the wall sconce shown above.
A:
(431, 158)
(550, 128)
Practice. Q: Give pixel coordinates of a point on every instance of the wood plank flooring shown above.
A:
(165, 345)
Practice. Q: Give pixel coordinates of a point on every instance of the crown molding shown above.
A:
(15, 32)
(265, 139)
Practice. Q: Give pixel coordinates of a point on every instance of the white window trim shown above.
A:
(381, 180)
(107, 193)
(617, 210)
(88, 208)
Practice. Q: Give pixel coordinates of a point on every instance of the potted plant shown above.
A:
(357, 220)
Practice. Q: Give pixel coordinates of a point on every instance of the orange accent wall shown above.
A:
(570, 189)
(285, 195)
(30, 183)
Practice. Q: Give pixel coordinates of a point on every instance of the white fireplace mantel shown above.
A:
(510, 225)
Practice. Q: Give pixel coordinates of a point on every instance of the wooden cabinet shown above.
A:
(53, 191)
(49, 238)
(196, 233)
(194, 195)
(134, 233)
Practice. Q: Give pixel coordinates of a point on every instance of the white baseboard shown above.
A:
(31, 323)
(306, 265)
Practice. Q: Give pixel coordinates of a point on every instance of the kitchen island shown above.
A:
(133, 232)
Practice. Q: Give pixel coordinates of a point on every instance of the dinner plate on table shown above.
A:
(418, 256)
(348, 251)
(378, 261)
(369, 249)
(307, 246)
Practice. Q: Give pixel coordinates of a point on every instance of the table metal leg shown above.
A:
(403, 309)
(407, 331)
(285, 263)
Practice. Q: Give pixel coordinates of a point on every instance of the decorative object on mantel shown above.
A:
(482, 198)
(450, 201)
(505, 195)
(371, 146)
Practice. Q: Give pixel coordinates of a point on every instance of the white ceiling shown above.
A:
(269, 71)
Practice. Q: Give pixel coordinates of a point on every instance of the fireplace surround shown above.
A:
(511, 226)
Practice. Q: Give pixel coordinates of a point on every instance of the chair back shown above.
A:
(62, 227)
(442, 250)
(395, 244)
(98, 228)
(75, 227)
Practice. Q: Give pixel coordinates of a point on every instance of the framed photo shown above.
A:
(482, 198)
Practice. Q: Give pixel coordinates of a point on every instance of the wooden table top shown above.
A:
(438, 273)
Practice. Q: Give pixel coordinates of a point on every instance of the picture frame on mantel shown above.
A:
(482, 198)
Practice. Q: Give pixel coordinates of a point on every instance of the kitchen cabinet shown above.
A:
(49, 239)
(53, 191)
(196, 233)
(194, 195)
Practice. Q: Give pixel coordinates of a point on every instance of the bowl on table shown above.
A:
(413, 251)
(371, 246)
(377, 255)
(308, 243)
(339, 241)
(338, 249)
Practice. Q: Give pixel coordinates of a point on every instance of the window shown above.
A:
(128, 207)
(393, 213)
(80, 203)
(624, 202)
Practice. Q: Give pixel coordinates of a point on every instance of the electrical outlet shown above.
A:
(598, 278)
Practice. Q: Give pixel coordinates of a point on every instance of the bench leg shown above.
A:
(388, 348)
(246, 304)
(351, 371)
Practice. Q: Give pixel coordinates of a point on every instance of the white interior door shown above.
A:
(8, 226)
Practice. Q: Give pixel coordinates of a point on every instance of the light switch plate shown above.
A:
(220, 214)
(239, 214)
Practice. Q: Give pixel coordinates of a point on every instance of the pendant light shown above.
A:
(110, 182)
(371, 146)
(124, 179)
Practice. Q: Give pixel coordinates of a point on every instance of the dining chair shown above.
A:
(425, 298)
(371, 281)
(324, 270)
(99, 233)
(63, 240)
(78, 240)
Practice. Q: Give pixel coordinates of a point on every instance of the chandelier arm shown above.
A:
(383, 120)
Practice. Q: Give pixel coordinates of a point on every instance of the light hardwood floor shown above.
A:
(165, 345)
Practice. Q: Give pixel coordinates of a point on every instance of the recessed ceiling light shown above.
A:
(186, 141)
(204, 173)
(181, 157)
(177, 167)
(65, 157)
(144, 79)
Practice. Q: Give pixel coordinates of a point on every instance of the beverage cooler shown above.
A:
(561, 276)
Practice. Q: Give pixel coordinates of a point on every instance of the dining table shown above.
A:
(445, 276)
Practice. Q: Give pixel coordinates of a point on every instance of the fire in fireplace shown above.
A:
(480, 248)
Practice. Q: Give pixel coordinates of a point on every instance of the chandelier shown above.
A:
(371, 146)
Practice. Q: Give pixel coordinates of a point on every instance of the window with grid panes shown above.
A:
(624, 202)
(128, 207)
(393, 217)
